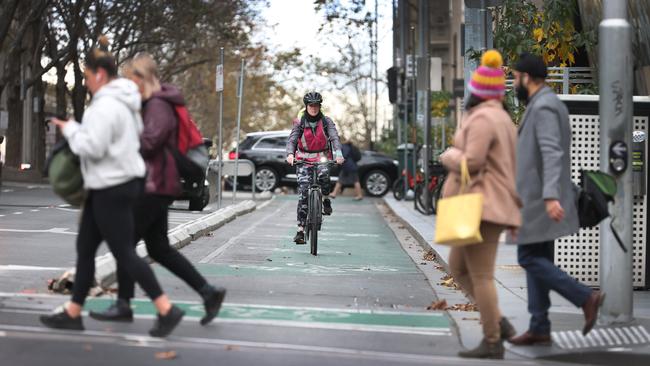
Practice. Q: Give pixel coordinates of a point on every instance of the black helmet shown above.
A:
(312, 98)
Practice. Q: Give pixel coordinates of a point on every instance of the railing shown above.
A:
(566, 76)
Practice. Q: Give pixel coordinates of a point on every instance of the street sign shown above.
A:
(459, 88)
(219, 81)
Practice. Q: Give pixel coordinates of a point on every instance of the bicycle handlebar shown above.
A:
(302, 162)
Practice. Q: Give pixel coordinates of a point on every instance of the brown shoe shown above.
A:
(530, 339)
(590, 309)
(485, 350)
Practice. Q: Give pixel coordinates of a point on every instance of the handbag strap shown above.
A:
(464, 176)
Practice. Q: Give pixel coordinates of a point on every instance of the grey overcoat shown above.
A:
(544, 169)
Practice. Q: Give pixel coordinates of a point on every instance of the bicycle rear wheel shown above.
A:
(398, 189)
(315, 216)
(420, 200)
(437, 194)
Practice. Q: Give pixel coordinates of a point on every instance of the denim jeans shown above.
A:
(543, 276)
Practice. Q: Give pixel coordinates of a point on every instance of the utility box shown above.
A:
(408, 150)
(579, 254)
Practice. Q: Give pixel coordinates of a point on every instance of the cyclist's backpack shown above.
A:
(64, 171)
(191, 155)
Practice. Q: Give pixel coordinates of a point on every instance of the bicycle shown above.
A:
(398, 185)
(314, 206)
(434, 187)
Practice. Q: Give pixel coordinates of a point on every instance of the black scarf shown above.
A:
(315, 118)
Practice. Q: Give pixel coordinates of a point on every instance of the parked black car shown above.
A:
(198, 197)
(267, 151)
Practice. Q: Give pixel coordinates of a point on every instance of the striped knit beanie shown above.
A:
(489, 80)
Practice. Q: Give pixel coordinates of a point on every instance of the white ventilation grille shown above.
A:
(578, 254)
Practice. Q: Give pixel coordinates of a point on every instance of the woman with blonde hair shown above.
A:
(162, 185)
(486, 141)
(107, 143)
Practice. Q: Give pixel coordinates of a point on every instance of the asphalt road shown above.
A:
(361, 301)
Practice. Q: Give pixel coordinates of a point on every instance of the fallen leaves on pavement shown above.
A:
(166, 355)
(442, 305)
(429, 255)
(438, 305)
(448, 281)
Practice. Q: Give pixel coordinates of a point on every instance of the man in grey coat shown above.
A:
(549, 210)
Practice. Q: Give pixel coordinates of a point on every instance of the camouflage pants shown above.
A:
(304, 173)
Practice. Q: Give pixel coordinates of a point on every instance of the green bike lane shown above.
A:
(361, 291)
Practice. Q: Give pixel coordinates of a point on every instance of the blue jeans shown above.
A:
(543, 276)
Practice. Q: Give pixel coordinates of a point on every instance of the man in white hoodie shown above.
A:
(108, 144)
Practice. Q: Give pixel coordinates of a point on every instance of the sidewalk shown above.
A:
(511, 287)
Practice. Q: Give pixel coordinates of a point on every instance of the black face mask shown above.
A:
(522, 93)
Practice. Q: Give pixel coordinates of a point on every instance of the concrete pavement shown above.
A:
(630, 342)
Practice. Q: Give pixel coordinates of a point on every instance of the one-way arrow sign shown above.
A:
(619, 149)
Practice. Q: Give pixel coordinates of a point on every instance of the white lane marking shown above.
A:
(7, 190)
(54, 230)
(34, 210)
(15, 267)
(3, 334)
(68, 209)
(64, 205)
(18, 213)
(2, 215)
(234, 239)
(15, 294)
(32, 187)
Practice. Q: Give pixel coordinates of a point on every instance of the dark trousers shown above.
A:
(304, 173)
(543, 276)
(151, 213)
(108, 215)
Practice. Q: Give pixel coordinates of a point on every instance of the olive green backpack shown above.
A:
(64, 171)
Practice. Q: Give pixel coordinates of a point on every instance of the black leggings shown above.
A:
(108, 215)
(151, 212)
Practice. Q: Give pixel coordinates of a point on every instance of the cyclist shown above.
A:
(313, 137)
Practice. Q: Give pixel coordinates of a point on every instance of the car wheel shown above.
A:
(266, 179)
(376, 183)
(199, 203)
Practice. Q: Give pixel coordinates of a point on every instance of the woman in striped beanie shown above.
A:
(486, 139)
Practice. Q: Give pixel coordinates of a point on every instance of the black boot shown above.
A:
(485, 350)
(212, 299)
(62, 321)
(327, 206)
(299, 238)
(507, 330)
(119, 311)
(165, 324)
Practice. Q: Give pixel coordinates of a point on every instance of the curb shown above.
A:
(179, 237)
(421, 240)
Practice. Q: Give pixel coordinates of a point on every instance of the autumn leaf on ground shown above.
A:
(166, 355)
(429, 256)
(448, 281)
(463, 307)
(438, 305)
(231, 348)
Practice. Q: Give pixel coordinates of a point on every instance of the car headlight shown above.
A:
(395, 162)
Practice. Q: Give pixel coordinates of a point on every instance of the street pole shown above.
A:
(615, 108)
(424, 92)
(240, 95)
(220, 145)
(414, 109)
(376, 48)
(403, 24)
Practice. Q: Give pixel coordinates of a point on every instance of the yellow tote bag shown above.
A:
(458, 220)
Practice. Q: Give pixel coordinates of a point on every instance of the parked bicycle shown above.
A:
(398, 186)
(314, 206)
(434, 188)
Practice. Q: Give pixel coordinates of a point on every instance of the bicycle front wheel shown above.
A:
(420, 200)
(315, 212)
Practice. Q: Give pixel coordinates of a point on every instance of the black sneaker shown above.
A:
(212, 299)
(327, 207)
(299, 238)
(165, 324)
(119, 311)
(62, 321)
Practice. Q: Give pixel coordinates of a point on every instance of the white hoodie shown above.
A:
(108, 139)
